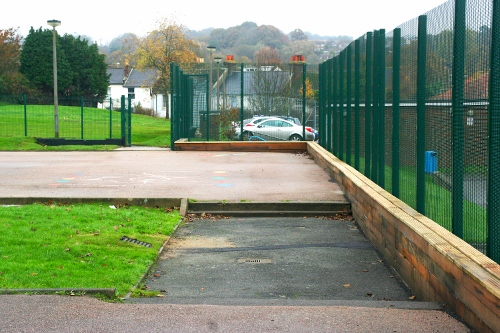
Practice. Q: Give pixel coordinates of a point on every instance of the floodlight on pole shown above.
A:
(54, 24)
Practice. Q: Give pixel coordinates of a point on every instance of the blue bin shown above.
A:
(430, 161)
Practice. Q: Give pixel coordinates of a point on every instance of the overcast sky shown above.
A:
(104, 20)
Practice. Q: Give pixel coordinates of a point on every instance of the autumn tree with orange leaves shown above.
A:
(162, 46)
(11, 81)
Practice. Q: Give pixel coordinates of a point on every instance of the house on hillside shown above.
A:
(136, 84)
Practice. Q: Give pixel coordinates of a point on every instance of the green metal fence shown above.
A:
(417, 110)
(239, 93)
(80, 121)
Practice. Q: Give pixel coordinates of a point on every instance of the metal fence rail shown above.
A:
(80, 120)
(416, 110)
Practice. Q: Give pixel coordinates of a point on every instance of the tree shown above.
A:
(36, 61)
(162, 46)
(297, 35)
(89, 70)
(119, 50)
(267, 56)
(10, 49)
(11, 81)
(271, 36)
(270, 88)
(81, 70)
(310, 94)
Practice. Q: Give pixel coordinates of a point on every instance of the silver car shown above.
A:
(277, 129)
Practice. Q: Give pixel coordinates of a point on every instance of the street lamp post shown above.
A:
(218, 61)
(210, 49)
(54, 24)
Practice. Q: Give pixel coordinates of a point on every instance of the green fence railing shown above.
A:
(416, 110)
(80, 121)
(220, 110)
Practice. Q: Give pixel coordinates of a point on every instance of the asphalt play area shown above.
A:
(237, 274)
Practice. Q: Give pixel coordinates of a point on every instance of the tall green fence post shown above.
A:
(183, 105)
(336, 119)
(325, 94)
(110, 118)
(81, 116)
(330, 101)
(381, 109)
(493, 210)
(396, 100)
(321, 95)
(375, 106)
(242, 98)
(341, 121)
(458, 130)
(172, 106)
(209, 98)
(348, 103)
(129, 122)
(304, 99)
(357, 81)
(25, 116)
(368, 101)
(123, 119)
(421, 96)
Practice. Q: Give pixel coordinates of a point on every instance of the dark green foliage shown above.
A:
(36, 61)
(90, 78)
(81, 70)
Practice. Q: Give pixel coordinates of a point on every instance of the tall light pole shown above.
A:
(54, 24)
(210, 49)
(218, 61)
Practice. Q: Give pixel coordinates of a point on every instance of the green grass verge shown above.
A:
(438, 203)
(98, 124)
(79, 246)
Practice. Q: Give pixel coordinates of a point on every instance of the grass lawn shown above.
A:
(79, 246)
(438, 204)
(98, 124)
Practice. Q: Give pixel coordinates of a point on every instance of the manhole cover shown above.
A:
(254, 261)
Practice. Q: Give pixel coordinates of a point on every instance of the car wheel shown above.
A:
(247, 135)
(295, 137)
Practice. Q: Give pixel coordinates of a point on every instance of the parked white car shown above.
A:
(276, 129)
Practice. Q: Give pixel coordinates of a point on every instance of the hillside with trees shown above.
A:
(242, 41)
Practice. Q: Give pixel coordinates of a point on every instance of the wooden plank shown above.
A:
(250, 146)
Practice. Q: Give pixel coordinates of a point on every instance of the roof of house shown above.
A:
(144, 78)
(117, 75)
(475, 87)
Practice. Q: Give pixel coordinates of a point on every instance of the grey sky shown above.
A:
(103, 20)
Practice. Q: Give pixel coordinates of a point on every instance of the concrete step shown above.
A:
(269, 208)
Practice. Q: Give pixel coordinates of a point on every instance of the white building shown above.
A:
(138, 85)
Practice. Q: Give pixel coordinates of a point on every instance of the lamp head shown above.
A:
(54, 23)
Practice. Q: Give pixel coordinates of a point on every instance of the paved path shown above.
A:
(221, 176)
(87, 315)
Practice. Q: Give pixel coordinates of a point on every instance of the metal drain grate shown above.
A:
(254, 261)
